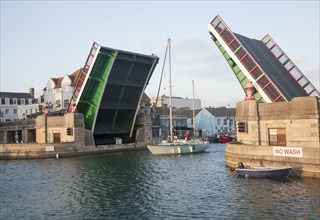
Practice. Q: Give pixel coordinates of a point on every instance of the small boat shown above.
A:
(226, 139)
(176, 148)
(213, 139)
(271, 172)
(220, 139)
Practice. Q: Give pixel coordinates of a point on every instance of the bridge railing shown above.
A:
(82, 77)
(247, 60)
(291, 68)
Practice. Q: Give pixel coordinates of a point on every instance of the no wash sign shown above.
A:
(287, 151)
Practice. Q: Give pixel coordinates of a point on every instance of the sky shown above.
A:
(43, 39)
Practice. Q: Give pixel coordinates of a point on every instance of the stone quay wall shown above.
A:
(38, 151)
(257, 155)
(53, 141)
(299, 121)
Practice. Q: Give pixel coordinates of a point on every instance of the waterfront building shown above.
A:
(180, 118)
(212, 121)
(16, 106)
(29, 110)
(177, 102)
(215, 121)
(58, 91)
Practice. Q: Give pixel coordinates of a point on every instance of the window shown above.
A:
(30, 101)
(15, 101)
(22, 101)
(219, 121)
(65, 103)
(7, 111)
(58, 104)
(7, 101)
(231, 121)
(277, 137)
(15, 111)
(225, 121)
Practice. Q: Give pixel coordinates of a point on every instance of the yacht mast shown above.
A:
(170, 90)
(193, 111)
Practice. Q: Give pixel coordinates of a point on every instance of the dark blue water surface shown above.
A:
(138, 185)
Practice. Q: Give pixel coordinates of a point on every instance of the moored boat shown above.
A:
(271, 172)
(226, 139)
(177, 148)
(220, 139)
(213, 139)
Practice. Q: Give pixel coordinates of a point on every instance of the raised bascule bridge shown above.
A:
(275, 78)
(109, 90)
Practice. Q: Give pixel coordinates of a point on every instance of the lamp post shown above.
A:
(62, 103)
(229, 127)
(45, 112)
(210, 117)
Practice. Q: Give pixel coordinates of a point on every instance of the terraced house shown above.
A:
(16, 106)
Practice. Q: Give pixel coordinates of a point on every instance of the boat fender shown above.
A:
(240, 164)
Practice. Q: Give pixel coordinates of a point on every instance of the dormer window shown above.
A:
(15, 101)
(30, 101)
(22, 101)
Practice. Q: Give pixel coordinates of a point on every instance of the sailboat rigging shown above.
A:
(177, 146)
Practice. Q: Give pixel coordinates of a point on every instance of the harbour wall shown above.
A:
(266, 131)
(54, 150)
(257, 155)
(52, 139)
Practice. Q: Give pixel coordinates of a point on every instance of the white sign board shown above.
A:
(49, 148)
(287, 151)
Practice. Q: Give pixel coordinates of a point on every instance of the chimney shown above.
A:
(31, 91)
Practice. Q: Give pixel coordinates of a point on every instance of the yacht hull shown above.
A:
(176, 149)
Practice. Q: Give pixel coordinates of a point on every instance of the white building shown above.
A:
(177, 102)
(56, 94)
(216, 120)
(16, 106)
(31, 108)
(179, 119)
(58, 91)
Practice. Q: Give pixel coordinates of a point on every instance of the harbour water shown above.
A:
(138, 185)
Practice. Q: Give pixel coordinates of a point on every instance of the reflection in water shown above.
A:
(139, 185)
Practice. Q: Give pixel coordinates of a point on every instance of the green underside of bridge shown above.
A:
(113, 91)
(236, 70)
(89, 101)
